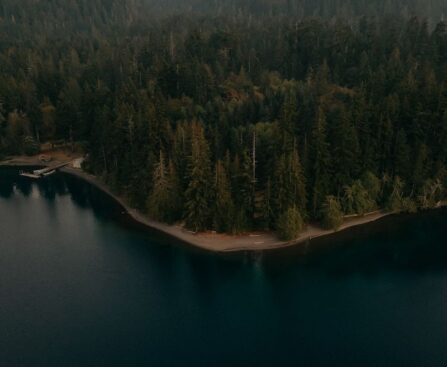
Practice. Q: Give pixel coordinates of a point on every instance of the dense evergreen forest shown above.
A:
(236, 115)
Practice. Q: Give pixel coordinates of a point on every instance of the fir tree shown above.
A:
(357, 199)
(290, 224)
(346, 150)
(162, 203)
(320, 180)
(332, 213)
(402, 161)
(268, 215)
(199, 192)
(290, 188)
(287, 121)
(224, 206)
(243, 191)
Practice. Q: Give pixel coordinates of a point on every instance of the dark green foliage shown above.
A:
(319, 163)
(198, 195)
(267, 213)
(224, 207)
(372, 185)
(357, 199)
(332, 213)
(30, 146)
(290, 224)
(163, 202)
(158, 202)
(346, 149)
(289, 185)
(243, 188)
(258, 109)
(402, 155)
(397, 201)
(431, 193)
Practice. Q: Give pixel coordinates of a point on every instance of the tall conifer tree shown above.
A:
(198, 195)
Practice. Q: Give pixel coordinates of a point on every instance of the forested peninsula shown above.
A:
(235, 116)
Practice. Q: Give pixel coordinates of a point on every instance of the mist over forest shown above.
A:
(131, 10)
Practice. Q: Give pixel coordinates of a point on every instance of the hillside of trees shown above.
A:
(254, 117)
(102, 12)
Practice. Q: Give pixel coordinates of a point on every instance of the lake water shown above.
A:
(80, 285)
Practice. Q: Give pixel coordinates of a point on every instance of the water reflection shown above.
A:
(102, 288)
(399, 243)
(80, 194)
(7, 181)
(6, 189)
(23, 185)
(47, 188)
(86, 196)
(409, 243)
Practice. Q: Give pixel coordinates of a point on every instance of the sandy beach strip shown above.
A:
(221, 242)
(210, 241)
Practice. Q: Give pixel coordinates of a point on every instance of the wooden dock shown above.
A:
(29, 175)
(40, 173)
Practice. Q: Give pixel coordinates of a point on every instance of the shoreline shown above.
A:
(215, 242)
(209, 241)
(223, 243)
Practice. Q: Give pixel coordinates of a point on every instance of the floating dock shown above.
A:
(44, 172)
(30, 175)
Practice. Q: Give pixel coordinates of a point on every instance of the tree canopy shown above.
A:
(236, 112)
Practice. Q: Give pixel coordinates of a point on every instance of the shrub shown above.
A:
(332, 214)
(30, 146)
(290, 224)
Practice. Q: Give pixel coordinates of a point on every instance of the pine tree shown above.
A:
(68, 111)
(372, 185)
(268, 215)
(243, 187)
(224, 206)
(176, 197)
(430, 194)
(159, 202)
(281, 190)
(421, 167)
(17, 130)
(289, 184)
(397, 202)
(357, 199)
(181, 154)
(402, 161)
(319, 175)
(290, 224)
(287, 121)
(48, 112)
(198, 195)
(297, 182)
(346, 150)
(332, 213)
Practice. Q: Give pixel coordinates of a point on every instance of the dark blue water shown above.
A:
(80, 285)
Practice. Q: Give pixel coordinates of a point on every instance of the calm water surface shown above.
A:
(80, 285)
